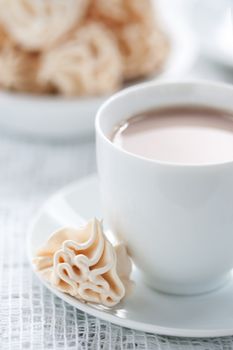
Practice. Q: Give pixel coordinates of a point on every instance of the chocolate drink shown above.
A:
(178, 134)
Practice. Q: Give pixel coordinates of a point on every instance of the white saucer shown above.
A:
(208, 315)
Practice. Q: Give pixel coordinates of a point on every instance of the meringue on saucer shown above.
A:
(83, 263)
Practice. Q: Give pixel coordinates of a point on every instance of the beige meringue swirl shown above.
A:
(38, 24)
(84, 264)
(117, 12)
(143, 46)
(18, 69)
(89, 63)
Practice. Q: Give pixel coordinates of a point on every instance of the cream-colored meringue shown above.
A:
(142, 44)
(89, 63)
(121, 11)
(38, 24)
(18, 69)
(84, 264)
(143, 47)
(3, 37)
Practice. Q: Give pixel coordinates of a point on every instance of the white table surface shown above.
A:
(30, 316)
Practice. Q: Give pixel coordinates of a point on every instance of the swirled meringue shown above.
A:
(142, 44)
(18, 69)
(3, 37)
(89, 63)
(84, 264)
(121, 11)
(38, 24)
(143, 47)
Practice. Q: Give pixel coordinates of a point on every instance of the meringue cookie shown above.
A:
(38, 24)
(143, 47)
(142, 44)
(84, 264)
(89, 63)
(121, 11)
(4, 38)
(18, 69)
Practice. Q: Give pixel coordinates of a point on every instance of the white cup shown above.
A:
(177, 220)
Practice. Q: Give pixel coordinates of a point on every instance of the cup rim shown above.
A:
(145, 85)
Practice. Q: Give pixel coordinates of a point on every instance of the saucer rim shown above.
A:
(91, 309)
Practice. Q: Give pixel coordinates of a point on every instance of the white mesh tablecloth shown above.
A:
(31, 317)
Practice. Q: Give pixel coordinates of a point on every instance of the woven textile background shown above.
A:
(30, 316)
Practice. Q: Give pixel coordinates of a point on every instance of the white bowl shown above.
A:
(49, 117)
(57, 117)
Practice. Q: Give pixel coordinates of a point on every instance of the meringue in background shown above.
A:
(81, 47)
